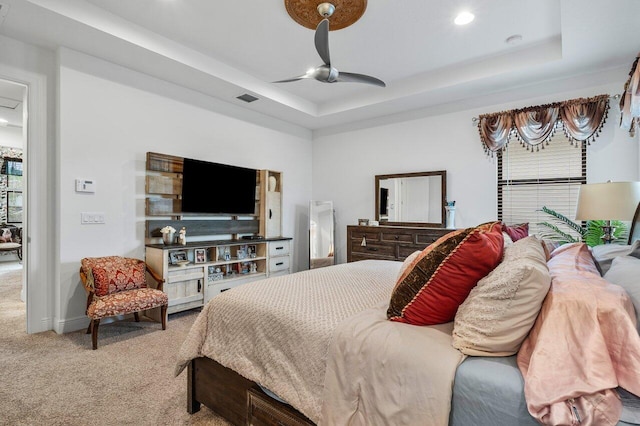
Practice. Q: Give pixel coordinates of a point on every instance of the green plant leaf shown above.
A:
(554, 233)
(594, 231)
(562, 219)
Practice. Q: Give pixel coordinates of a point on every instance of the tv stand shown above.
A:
(217, 264)
(238, 262)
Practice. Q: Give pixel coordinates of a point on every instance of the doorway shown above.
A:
(13, 140)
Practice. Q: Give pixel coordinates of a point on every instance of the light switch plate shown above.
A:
(85, 185)
(92, 218)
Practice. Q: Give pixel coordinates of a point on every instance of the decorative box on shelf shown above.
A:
(214, 274)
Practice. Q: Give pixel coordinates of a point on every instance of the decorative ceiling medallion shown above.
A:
(305, 12)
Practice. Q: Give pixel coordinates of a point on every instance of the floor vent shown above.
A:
(247, 98)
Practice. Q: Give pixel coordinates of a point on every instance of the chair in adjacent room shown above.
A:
(117, 286)
(11, 239)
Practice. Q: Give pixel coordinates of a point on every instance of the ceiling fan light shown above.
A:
(464, 18)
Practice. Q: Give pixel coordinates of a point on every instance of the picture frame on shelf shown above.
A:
(200, 255)
(177, 256)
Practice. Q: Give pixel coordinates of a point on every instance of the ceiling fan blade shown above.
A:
(289, 80)
(322, 41)
(360, 78)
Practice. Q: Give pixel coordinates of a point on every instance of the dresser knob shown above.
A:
(396, 237)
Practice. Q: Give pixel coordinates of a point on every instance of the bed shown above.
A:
(265, 353)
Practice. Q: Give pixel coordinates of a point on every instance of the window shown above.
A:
(550, 177)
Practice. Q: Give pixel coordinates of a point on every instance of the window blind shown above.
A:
(528, 180)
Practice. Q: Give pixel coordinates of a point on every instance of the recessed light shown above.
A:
(464, 18)
(3, 122)
(514, 39)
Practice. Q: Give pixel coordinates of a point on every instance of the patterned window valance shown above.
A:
(581, 120)
(630, 100)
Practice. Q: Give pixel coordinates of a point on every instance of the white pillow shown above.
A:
(501, 309)
(605, 253)
(625, 271)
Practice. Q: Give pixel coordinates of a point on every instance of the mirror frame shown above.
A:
(441, 173)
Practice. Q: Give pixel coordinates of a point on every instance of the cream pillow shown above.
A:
(408, 264)
(497, 315)
(625, 272)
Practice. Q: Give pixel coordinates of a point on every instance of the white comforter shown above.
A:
(279, 336)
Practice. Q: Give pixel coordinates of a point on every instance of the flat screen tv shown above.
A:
(217, 188)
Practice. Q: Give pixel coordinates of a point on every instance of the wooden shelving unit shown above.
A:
(193, 285)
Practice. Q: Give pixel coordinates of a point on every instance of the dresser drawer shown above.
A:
(432, 235)
(396, 237)
(278, 248)
(265, 411)
(374, 249)
(277, 264)
(359, 235)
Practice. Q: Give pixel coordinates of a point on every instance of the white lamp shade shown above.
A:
(608, 201)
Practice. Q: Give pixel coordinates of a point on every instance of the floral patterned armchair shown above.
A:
(116, 286)
(11, 239)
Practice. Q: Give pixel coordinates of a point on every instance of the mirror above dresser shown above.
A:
(411, 199)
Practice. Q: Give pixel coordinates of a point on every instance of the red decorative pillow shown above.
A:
(516, 232)
(442, 276)
(5, 236)
(113, 274)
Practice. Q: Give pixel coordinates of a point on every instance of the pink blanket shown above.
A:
(583, 345)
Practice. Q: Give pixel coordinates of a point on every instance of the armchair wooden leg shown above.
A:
(89, 328)
(163, 314)
(136, 316)
(94, 333)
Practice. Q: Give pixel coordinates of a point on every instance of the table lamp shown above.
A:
(608, 201)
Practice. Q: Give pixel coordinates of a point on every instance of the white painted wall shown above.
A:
(105, 130)
(344, 164)
(11, 137)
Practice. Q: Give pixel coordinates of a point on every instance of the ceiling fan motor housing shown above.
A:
(326, 9)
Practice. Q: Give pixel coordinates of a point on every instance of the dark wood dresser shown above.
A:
(388, 242)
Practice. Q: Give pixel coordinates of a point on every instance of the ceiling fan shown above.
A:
(327, 73)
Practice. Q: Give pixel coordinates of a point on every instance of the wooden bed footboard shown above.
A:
(239, 400)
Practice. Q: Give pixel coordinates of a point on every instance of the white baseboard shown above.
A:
(81, 323)
(45, 324)
(71, 324)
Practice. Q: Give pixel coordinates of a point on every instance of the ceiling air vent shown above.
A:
(247, 98)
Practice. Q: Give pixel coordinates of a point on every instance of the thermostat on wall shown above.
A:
(85, 185)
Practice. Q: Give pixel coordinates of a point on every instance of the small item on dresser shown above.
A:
(450, 207)
(363, 222)
(182, 236)
(374, 223)
(168, 234)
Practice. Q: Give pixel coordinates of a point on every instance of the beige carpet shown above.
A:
(51, 379)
